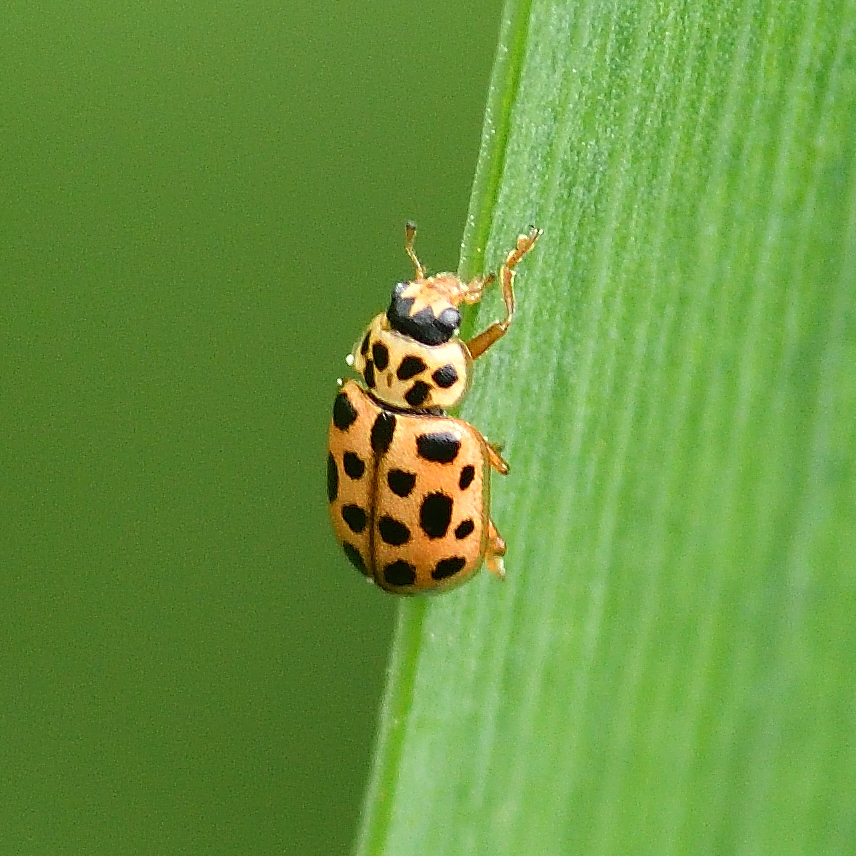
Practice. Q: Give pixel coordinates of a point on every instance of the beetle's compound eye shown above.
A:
(423, 325)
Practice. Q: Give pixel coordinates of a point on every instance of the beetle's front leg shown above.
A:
(482, 341)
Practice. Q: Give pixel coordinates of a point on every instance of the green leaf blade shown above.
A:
(668, 668)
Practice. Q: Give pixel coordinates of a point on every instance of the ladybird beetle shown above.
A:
(408, 485)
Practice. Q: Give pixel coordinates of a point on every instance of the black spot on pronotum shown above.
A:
(435, 514)
(410, 367)
(382, 432)
(446, 376)
(417, 394)
(355, 517)
(468, 473)
(399, 573)
(448, 567)
(344, 414)
(364, 347)
(422, 325)
(393, 531)
(464, 528)
(332, 478)
(380, 355)
(354, 557)
(439, 446)
(368, 373)
(353, 465)
(400, 482)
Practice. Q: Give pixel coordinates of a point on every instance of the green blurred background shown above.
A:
(202, 204)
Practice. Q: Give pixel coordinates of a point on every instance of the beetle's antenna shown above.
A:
(409, 238)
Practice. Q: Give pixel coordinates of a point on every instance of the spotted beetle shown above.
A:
(408, 485)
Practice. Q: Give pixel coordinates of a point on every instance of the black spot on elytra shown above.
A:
(464, 528)
(353, 465)
(354, 557)
(364, 347)
(417, 393)
(393, 531)
(468, 473)
(446, 376)
(368, 373)
(435, 514)
(344, 414)
(355, 517)
(332, 477)
(410, 367)
(380, 355)
(439, 446)
(400, 482)
(399, 573)
(382, 431)
(448, 567)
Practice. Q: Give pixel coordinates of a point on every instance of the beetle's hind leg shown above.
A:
(495, 458)
(482, 341)
(494, 551)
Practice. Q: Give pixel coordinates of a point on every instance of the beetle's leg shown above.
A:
(494, 551)
(409, 238)
(482, 341)
(495, 459)
(474, 289)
